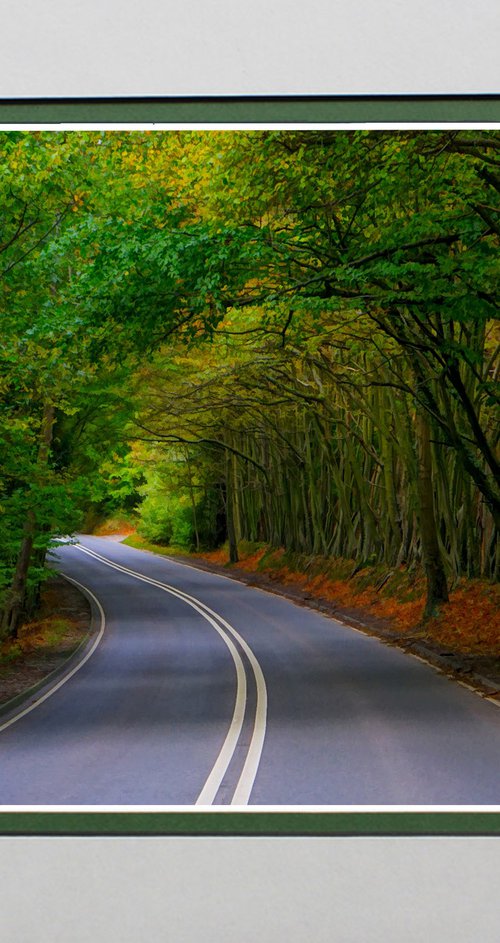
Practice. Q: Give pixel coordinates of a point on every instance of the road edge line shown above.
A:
(215, 778)
(93, 643)
(248, 774)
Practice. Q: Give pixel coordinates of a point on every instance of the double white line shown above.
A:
(227, 632)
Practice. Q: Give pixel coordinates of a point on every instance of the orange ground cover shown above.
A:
(61, 624)
(115, 525)
(32, 636)
(468, 624)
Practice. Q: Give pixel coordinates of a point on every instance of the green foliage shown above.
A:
(166, 520)
(116, 485)
(156, 520)
(346, 281)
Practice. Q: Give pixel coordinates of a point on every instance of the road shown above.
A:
(200, 690)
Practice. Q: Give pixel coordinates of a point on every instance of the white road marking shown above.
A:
(245, 783)
(70, 674)
(388, 642)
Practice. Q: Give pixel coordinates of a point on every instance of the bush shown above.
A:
(155, 520)
(183, 533)
(167, 518)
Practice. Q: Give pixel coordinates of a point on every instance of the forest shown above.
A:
(269, 338)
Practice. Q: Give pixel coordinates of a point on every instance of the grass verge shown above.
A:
(140, 543)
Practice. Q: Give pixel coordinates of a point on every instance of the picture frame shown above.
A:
(474, 824)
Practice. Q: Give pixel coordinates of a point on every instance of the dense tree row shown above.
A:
(295, 332)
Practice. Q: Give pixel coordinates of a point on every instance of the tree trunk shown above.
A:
(231, 529)
(193, 500)
(437, 587)
(15, 606)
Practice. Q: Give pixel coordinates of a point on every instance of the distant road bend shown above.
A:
(200, 690)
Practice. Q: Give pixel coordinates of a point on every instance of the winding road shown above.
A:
(199, 690)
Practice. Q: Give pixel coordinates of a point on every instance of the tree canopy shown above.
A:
(286, 336)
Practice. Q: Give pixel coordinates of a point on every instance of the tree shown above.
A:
(308, 319)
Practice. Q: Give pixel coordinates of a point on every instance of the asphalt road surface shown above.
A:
(199, 690)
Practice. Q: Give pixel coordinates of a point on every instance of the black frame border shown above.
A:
(291, 109)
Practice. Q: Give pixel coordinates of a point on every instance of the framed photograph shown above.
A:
(250, 658)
